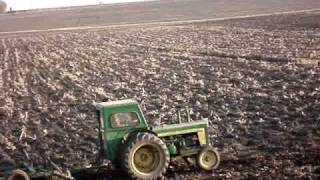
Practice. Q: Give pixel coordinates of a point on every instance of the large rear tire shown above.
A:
(146, 157)
(208, 158)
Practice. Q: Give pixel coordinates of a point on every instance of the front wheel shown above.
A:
(146, 157)
(18, 175)
(208, 158)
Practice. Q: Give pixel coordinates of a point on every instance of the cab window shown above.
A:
(125, 119)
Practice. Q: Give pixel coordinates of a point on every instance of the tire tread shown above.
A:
(144, 137)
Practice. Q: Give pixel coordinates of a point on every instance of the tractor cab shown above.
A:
(117, 119)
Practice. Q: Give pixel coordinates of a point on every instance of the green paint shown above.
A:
(172, 149)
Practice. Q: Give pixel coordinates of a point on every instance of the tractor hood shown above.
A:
(183, 128)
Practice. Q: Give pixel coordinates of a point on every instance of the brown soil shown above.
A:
(258, 83)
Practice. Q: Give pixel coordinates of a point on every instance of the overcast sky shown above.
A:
(34, 4)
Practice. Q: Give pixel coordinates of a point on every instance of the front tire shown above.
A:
(208, 158)
(146, 157)
(18, 175)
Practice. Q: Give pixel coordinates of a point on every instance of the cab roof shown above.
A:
(118, 103)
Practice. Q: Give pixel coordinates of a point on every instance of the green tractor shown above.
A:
(144, 152)
(141, 151)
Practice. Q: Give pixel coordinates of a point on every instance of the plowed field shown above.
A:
(257, 80)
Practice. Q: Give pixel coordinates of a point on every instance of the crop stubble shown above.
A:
(257, 82)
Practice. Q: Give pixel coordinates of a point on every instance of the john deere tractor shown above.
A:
(144, 152)
(141, 151)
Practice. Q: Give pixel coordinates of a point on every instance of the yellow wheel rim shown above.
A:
(146, 158)
(208, 159)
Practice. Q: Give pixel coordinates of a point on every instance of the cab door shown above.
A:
(120, 124)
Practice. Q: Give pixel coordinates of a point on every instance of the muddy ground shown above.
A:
(256, 79)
